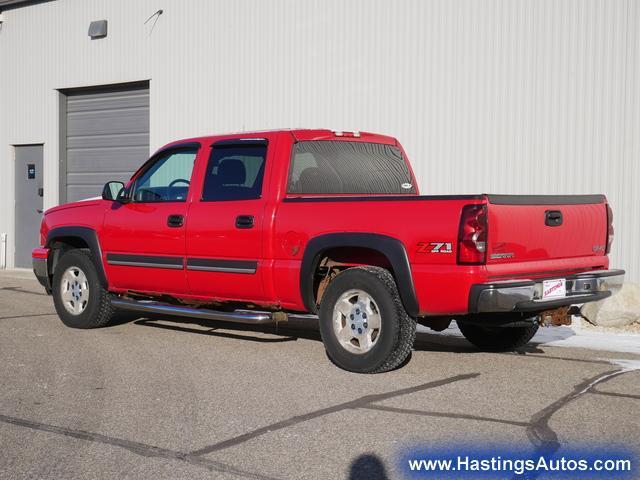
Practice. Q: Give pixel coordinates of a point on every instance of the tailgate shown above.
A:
(540, 227)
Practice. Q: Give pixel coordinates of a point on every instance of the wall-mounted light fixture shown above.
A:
(98, 29)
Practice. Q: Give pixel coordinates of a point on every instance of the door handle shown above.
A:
(175, 221)
(553, 218)
(244, 221)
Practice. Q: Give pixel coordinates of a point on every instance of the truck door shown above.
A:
(225, 223)
(143, 241)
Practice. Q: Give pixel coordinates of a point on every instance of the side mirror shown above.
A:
(111, 190)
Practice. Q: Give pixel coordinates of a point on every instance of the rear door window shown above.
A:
(235, 171)
(342, 167)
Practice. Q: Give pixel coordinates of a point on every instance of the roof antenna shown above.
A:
(157, 15)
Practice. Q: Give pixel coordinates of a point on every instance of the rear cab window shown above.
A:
(349, 168)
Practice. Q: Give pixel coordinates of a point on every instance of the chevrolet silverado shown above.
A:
(258, 227)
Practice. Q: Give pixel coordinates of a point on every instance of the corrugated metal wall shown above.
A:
(487, 96)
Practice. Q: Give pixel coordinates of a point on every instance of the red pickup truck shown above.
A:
(258, 227)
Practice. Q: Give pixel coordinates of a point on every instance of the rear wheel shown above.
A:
(79, 297)
(498, 338)
(363, 323)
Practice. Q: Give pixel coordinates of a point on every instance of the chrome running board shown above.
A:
(149, 306)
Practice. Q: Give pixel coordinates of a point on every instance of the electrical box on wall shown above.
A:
(98, 29)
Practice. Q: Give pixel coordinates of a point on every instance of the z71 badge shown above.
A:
(435, 247)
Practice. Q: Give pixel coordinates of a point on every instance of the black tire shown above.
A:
(498, 338)
(397, 332)
(98, 311)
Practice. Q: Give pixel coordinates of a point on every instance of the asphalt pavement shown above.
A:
(165, 398)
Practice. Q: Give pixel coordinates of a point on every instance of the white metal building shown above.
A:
(538, 96)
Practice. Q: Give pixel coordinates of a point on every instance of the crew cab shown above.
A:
(258, 227)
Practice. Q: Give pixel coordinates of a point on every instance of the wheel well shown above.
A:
(348, 249)
(68, 237)
(59, 246)
(334, 260)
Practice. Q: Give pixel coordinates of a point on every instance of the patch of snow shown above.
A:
(627, 365)
(573, 337)
(451, 331)
(577, 337)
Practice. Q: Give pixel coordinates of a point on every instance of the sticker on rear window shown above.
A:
(407, 186)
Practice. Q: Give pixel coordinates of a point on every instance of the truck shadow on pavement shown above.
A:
(299, 329)
(225, 330)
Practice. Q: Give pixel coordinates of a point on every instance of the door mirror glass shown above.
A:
(111, 190)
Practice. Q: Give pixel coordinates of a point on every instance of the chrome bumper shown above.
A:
(525, 295)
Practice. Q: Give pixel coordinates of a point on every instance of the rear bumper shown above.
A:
(40, 259)
(525, 295)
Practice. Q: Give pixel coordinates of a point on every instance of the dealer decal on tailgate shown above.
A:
(554, 288)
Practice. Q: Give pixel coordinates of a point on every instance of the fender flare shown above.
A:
(392, 248)
(90, 237)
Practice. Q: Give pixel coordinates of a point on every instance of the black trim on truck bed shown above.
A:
(374, 198)
(545, 199)
(390, 247)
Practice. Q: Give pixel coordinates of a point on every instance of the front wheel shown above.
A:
(363, 323)
(80, 299)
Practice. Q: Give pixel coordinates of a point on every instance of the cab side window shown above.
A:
(235, 171)
(167, 179)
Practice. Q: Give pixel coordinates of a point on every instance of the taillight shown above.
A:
(472, 235)
(609, 229)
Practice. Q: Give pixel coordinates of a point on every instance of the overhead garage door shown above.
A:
(107, 138)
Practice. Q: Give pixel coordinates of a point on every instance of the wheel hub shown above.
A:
(356, 321)
(74, 290)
